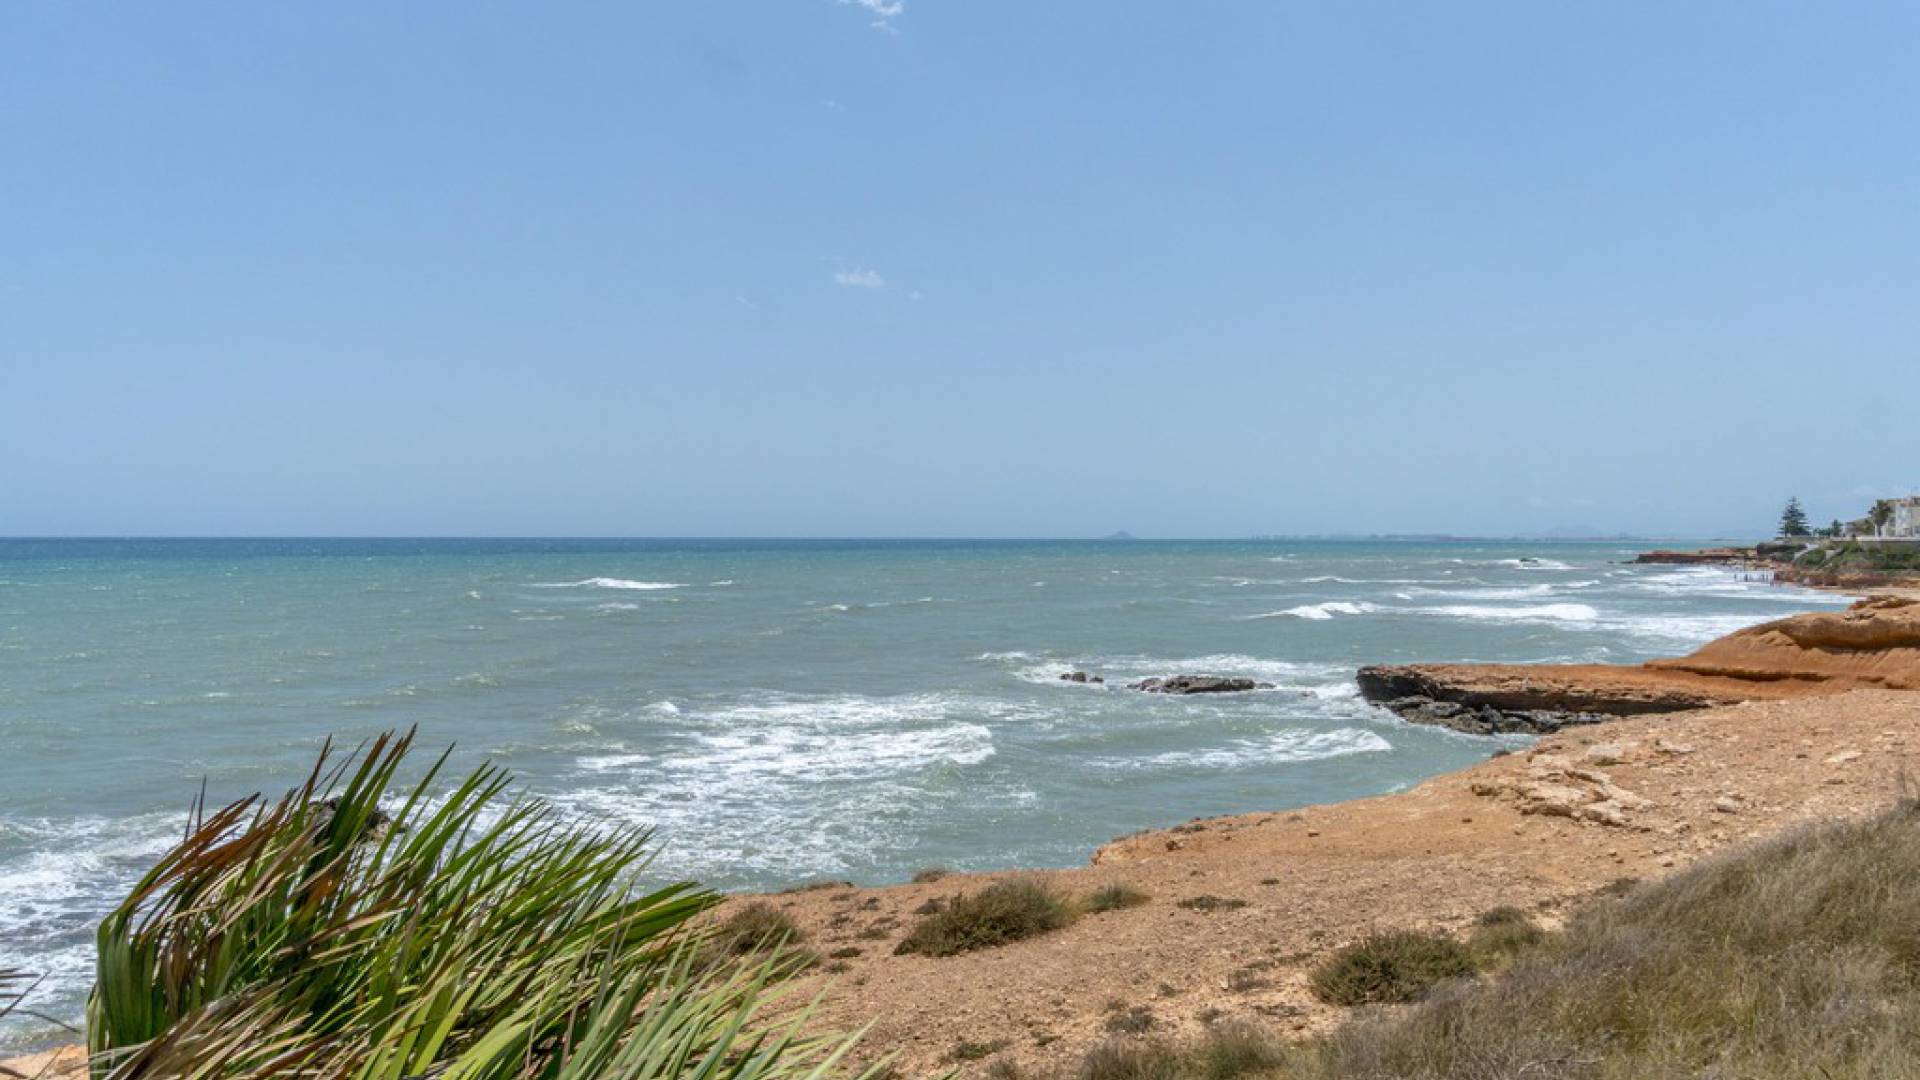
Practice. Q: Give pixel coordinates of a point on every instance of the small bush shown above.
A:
(1391, 969)
(967, 1050)
(1113, 898)
(756, 928)
(1502, 933)
(1211, 903)
(1000, 913)
(759, 928)
(930, 875)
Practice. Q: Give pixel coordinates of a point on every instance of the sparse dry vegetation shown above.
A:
(1000, 913)
(1210, 904)
(759, 929)
(1113, 898)
(1391, 968)
(1797, 958)
(974, 1051)
(1502, 933)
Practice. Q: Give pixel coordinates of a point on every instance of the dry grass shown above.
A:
(1794, 960)
(1225, 1052)
(1502, 934)
(1000, 913)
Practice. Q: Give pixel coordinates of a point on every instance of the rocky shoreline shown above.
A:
(1873, 644)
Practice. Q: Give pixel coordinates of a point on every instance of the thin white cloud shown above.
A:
(859, 279)
(883, 11)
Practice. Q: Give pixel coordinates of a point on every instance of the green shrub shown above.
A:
(1000, 913)
(1391, 968)
(1113, 898)
(473, 934)
(758, 927)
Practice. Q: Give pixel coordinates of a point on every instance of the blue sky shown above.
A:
(954, 268)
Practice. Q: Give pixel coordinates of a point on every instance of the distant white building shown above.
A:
(1905, 524)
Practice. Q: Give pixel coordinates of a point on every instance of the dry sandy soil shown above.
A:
(1540, 828)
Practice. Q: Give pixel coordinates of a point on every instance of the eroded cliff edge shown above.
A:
(1875, 644)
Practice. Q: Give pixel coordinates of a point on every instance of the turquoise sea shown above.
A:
(781, 710)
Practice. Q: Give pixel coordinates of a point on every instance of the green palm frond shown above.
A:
(356, 930)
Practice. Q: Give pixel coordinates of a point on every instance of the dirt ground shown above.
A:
(1541, 829)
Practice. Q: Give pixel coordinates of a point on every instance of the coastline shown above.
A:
(1292, 886)
(1314, 879)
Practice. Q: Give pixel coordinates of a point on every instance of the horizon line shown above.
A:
(1109, 539)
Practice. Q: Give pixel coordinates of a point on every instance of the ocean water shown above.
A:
(779, 710)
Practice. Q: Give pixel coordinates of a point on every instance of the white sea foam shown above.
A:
(792, 785)
(1534, 564)
(1280, 748)
(1575, 613)
(1319, 612)
(68, 876)
(1517, 592)
(610, 583)
(1286, 675)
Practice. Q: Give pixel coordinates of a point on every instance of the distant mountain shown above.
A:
(1121, 535)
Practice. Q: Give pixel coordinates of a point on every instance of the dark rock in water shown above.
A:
(1486, 720)
(1199, 684)
(377, 825)
(1081, 677)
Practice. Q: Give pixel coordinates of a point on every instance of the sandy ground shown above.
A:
(1646, 795)
(1312, 880)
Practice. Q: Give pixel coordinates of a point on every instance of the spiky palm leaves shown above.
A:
(469, 937)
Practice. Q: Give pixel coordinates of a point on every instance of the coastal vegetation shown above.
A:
(1003, 912)
(1113, 897)
(760, 929)
(1854, 557)
(361, 928)
(1793, 520)
(1392, 968)
(1792, 958)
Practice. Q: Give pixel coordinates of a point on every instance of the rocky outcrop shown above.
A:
(1487, 720)
(1873, 645)
(1198, 684)
(1531, 697)
(1081, 677)
(1557, 785)
(1722, 556)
